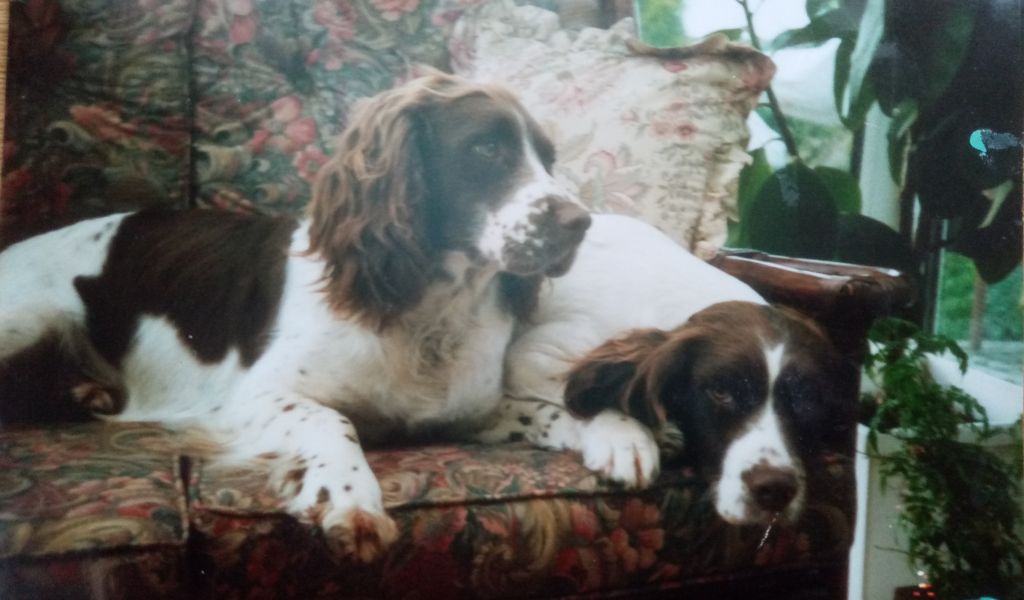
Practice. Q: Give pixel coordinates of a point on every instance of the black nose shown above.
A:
(570, 216)
(772, 488)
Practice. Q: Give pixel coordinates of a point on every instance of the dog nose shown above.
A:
(772, 488)
(570, 216)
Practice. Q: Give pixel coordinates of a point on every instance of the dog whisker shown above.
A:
(768, 531)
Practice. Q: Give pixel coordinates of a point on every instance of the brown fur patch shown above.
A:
(217, 276)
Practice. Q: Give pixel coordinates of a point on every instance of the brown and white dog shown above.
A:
(745, 392)
(668, 358)
(387, 310)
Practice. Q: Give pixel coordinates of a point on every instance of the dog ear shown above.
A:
(666, 366)
(365, 211)
(601, 379)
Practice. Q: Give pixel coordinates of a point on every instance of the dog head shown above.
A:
(436, 166)
(748, 391)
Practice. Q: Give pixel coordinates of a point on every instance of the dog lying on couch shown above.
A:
(439, 265)
(711, 374)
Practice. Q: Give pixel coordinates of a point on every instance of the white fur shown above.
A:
(37, 293)
(762, 444)
(626, 275)
(620, 448)
(511, 225)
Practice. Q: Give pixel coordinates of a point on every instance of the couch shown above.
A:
(231, 105)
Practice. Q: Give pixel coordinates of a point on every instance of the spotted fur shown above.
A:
(388, 309)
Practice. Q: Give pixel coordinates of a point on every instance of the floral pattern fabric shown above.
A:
(88, 487)
(90, 511)
(659, 138)
(508, 521)
(274, 81)
(97, 111)
(104, 505)
(120, 105)
(150, 573)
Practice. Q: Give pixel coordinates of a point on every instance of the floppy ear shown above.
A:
(666, 365)
(365, 211)
(601, 379)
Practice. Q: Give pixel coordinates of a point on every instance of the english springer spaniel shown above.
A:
(746, 392)
(655, 352)
(388, 309)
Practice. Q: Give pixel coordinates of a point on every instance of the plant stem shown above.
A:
(784, 131)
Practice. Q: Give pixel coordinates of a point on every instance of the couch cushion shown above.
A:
(97, 111)
(507, 521)
(660, 138)
(95, 506)
(273, 83)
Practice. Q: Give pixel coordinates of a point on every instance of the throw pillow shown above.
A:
(657, 134)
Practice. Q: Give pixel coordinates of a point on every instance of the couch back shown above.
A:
(234, 104)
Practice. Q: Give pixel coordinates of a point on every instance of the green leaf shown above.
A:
(735, 34)
(842, 71)
(814, 33)
(768, 116)
(793, 214)
(752, 177)
(844, 188)
(833, 24)
(904, 115)
(659, 23)
(816, 8)
(946, 50)
(853, 89)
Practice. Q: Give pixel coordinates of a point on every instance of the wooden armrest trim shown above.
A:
(827, 267)
(821, 288)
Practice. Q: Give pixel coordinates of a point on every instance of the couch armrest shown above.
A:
(844, 298)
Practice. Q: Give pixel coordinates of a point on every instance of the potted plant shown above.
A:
(948, 76)
(960, 503)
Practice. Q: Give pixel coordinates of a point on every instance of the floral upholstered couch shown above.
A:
(232, 105)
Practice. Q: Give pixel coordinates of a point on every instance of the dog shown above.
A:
(748, 392)
(387, 309)
(627, 275)
(643, 354)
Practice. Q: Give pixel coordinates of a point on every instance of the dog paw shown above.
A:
(349, 511)
(561, 431)
(97, 398)
(620, 448)
(361, 535)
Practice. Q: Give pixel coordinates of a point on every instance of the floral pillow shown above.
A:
(656, 134)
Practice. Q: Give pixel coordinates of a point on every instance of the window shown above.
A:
(984, 318)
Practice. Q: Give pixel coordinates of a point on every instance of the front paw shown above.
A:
(361, 535)
(98, 398)
(351, 515)
(620, 448)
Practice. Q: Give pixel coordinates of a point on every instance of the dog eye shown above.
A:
(721, 398)
(487, 150)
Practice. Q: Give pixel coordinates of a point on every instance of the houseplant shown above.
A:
(960, 503)
(944, 73)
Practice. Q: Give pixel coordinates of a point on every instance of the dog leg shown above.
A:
(613, 444)
(543, 424)
(321, 470)
(23, 326)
